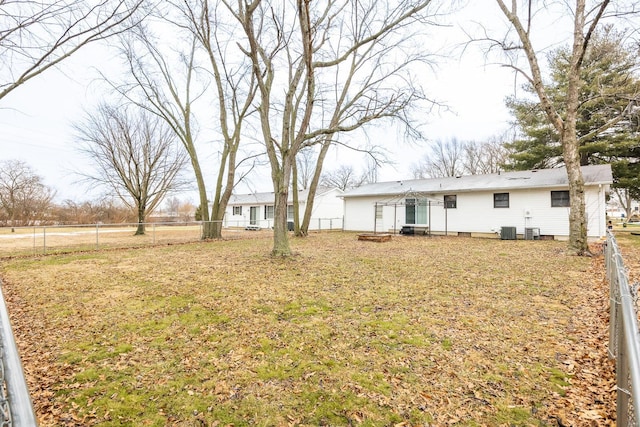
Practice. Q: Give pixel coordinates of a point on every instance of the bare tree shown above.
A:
(344, 177)
(24, 199)
(624, 200)
(169, 93)
(362, 86)
(486, 157)
(187, 211)
(585, 22)
(173, 205)
(305, 167)
(178, 209)
(370, 173)
(302, 171)
(135, 155)
(235, 88)
(332, 60)
(38, 35)
(455, 158)
(445, 158)
(104, 210)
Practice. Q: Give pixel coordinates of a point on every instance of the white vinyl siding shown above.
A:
(475, 213)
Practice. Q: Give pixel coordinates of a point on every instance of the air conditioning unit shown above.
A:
(507, 233)
(531, 233)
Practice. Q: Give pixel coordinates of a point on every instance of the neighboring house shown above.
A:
(256, 210)
(536, 200)
(615, 210)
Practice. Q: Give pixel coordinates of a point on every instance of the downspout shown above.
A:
(446, 231)
(375, 218)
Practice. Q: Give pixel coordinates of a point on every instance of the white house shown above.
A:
(257, 209)
(534, 203)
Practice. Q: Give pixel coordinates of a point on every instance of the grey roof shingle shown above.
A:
(540, 178)
(269, 198)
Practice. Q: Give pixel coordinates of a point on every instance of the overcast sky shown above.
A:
(35, 120)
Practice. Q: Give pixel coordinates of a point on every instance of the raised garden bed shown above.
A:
(370, 237)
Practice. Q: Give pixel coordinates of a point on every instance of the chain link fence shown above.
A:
(624, 340)
(16, 408)
(316, 224)
(40, 240)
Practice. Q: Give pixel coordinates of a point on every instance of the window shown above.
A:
(290, 212)
(410, 211)
(268, 212)
(559, 199)
(500, 200)
(237, 210)
(415, 211)
(451, 202)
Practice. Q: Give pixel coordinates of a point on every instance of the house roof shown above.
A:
(269, 198)
(537, 178)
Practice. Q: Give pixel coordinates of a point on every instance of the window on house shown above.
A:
(415, 211)
(290, 212)
(451, 201)
(559, 199)
(237, 210)
(268, 212)
(410, 211)
(500, 200)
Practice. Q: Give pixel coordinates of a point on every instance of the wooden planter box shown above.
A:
(370, 237)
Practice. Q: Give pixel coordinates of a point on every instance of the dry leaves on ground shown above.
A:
(416, 331)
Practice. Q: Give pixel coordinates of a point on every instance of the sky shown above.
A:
(36, 119)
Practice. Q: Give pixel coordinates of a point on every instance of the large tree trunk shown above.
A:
(578, 243)
(280, 233)
(219, 205)
(313, 187)
(223, 193)
(207, 226)
(141, 214)
(296, 200)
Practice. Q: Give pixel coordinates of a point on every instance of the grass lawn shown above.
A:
(59, 239)
(630, 248)
(416, 331)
